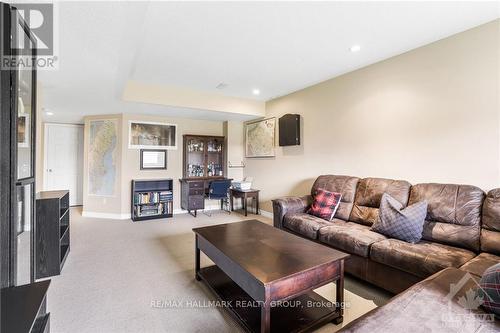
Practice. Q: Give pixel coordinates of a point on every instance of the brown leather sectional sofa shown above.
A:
(461, 233)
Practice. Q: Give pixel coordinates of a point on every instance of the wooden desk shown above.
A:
(193, 192)
(244, 195)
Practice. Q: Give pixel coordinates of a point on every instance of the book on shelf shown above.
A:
(152, 197)
(162, 208)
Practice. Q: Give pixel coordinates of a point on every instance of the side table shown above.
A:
(244, 195)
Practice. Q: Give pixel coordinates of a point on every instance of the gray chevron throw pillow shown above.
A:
(405, 224)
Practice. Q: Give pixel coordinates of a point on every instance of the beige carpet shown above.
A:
(117, 269)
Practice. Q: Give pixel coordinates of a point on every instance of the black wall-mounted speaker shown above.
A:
(289, 128)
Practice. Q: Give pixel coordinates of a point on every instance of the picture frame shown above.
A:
(153, 159)
(152, 135)
(260, 138)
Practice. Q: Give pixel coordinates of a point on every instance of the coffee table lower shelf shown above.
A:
(300, 314)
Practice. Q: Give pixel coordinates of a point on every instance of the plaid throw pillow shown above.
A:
(405, 224)
(325, 204)
(489, 290)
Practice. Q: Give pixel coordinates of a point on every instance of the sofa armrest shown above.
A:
(281, 206)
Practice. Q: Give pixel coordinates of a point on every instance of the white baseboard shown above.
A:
(182, 211)
(99, 215)
(126, 216)
(265, 213)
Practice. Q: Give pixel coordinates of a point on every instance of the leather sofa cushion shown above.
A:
(425, 307)
(479, 264)
(491, 210)
(369, 194)
(490, 241)
(305, 224)
(350, 237)
(453, 213)
(421, 259)
(490, 232)
(345, 185)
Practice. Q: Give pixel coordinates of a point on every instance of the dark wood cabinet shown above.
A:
(192, 195)
(203, 157)
(26, 309)
(204, 160)
(52, 232)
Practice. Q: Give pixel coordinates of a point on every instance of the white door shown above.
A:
(64, 160)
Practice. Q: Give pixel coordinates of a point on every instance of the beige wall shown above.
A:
(233, 131)
(128, 163)
(131, 157)
(188, 98)
(429, 115)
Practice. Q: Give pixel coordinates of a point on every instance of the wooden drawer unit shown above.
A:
(192, 195)
(196, 191)
(196, 184)
(196, 202)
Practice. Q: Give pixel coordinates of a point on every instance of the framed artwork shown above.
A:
(23, 130)
(153, 159)
(152, 135)
(260, 138)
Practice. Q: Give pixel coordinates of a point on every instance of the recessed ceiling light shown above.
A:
(221, 85)
(355, 48)
(256, 91)
(49, 113)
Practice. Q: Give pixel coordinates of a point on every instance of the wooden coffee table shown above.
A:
(265, 276)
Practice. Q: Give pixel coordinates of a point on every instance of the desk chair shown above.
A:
(218, 190)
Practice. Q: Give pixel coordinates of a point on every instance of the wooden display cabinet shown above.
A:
(203, 160)
(203, 157)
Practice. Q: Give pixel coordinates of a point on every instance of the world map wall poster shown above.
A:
(260, 138)
(102, 157)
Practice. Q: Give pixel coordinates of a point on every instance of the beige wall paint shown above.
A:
(233, 131)
(429, 115)
(131, 157)
(128, 161)
(188, 98)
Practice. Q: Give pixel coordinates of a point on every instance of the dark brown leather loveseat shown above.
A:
(461, 235)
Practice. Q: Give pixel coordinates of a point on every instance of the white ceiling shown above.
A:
(277, 47)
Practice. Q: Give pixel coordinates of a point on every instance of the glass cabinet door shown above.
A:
(195, 157)
(24, 233)
(24, 108)
(24, 124)
(215, 161)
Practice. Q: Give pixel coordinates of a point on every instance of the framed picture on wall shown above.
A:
(153, 159)
(146, 135)
(260, 138)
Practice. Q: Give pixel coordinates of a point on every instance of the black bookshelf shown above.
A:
(52, 232)
(152, 199)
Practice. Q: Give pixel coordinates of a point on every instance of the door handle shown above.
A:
(49, 170)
